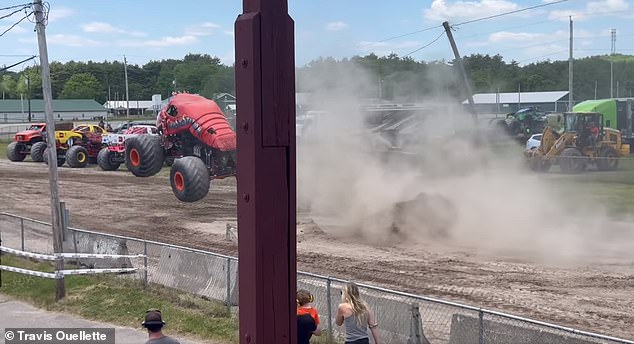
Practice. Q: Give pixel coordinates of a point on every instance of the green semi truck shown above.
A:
(617, 114)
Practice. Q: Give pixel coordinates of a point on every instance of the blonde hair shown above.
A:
(351, 296)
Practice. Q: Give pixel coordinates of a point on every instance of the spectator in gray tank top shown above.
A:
(154, 324)
(357, 317)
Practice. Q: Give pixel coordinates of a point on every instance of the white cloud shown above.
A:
(57, 13)
(336, 26)
(204, 29)
(71, 41)
(162, 42)
(464, 10)
(229, 33)
(593, 8)
(101, 27)
(522, 37)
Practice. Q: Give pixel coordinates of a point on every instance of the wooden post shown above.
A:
(265, 90)
(463, 73)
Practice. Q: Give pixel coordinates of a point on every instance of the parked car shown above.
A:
(534, 141)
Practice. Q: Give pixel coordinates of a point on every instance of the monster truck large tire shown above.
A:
(60, 160)
(13, 152)
(77, 157)
(144, 155)
(37, 151)
(105, 161)
(190, 179)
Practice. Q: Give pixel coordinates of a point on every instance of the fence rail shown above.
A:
(403, 317)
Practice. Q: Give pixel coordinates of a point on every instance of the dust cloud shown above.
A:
(445, 184)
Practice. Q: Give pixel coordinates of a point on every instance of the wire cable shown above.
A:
(15, 6)
(426, 45)
(14, 12)
(510, 12)
(410, 33)
(16, 24)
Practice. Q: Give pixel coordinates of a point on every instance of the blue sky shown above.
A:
(151, 30)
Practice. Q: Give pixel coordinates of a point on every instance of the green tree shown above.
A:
(8, 87)
(81, 86)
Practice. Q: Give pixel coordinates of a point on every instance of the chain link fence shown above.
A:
(402, 317)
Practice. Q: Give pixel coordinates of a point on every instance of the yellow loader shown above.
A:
(575, 141)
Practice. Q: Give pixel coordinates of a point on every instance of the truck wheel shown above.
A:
(60, 160)
(571, 161)
(190, 179)
(105, 160)
(144, 155)
(608, 159)
(77, 157)
(13, 152)
(37, 151)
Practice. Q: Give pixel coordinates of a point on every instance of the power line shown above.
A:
(14, 25)
(411, 33)
(14, 12)
(15, 6)
(510, 12)
(15, 64)
(538, 57)
(426, 45)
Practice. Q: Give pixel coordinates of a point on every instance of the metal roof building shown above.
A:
(513, 101)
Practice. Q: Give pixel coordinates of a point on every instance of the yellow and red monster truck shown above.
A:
(78, 146)
(193, 131)
(113, 154)
(30, 141)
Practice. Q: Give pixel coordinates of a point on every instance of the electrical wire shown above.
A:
(14, 12)
(410, 33)
(15, 6)
(426, 45)
(510, 12)
(539, 57)
(14, 25)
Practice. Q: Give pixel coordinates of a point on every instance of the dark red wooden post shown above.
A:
(265, 90)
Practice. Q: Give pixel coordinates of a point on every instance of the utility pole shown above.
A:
(465, 79)
(28, 93)
(612, 50)
(596, 83)
(127, 95)
(60, 291)
(570, 75)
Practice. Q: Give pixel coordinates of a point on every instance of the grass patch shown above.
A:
(3, 150)
(121, 301)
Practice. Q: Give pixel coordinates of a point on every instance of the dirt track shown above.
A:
(596, 296)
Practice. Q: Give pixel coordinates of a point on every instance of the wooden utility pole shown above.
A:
(570, 75)
(265, 92)
(127, 95)
(40, 27)
(465, 78)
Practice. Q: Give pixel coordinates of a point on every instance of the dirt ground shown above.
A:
(594, 296)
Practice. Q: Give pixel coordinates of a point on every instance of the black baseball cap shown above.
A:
(153, 318)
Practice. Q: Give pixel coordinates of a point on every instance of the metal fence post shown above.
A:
(328, 296)
(229, 286)
(22, 232)
(144, 264)
(78, 261)
(481, 326)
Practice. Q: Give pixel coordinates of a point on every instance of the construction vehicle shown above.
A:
(112, 155)
(617, 114)
(193, 131)
(78, 146)
(522, 124)
(581, 141)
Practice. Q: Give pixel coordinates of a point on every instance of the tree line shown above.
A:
(389, 77)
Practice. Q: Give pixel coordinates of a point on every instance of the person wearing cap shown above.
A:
(154, 324)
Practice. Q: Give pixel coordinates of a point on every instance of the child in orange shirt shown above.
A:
(307, 317)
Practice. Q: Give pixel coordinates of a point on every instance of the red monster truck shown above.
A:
(195, 132)
(113, 155)
(31, 141)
